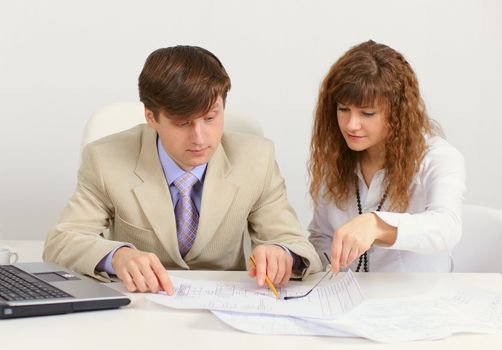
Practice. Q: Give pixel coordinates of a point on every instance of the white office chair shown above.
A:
(117, 117)
(480, 249)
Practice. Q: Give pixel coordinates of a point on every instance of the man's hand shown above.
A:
(356, 236)
(141, 271)
(272, 261)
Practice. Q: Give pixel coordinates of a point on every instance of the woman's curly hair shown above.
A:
(366, 75)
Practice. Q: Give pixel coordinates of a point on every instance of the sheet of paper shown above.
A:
(437, 315)
(434, 316)
(329, 299)
(275, 324)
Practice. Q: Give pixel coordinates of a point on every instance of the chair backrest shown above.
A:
(480, 249)
(118, 117)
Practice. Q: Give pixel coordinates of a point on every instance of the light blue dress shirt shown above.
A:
(172, 171)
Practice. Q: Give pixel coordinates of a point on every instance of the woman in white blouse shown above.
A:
(387, 189)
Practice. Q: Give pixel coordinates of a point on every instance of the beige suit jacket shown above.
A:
(123, 196)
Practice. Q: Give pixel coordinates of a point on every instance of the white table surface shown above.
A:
(143, 324)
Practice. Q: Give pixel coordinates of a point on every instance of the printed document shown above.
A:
(438, 314)
(329, 299)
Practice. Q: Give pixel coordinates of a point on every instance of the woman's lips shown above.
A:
(354, 137)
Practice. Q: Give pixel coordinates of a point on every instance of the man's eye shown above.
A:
(183, 124)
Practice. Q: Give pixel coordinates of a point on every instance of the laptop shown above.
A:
(37, 289)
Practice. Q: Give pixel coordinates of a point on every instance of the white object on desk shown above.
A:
(326, 301)
(435, 315)
(28, 251)
(7, 255)
(273, 325)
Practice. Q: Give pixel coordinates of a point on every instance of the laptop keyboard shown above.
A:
(16, 284)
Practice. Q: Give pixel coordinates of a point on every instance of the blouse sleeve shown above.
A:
(439, 226)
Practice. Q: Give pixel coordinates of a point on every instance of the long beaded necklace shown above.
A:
(363, 259)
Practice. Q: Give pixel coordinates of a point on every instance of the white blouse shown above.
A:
(426, 233)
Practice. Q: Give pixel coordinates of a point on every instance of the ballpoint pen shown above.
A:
(267, 280)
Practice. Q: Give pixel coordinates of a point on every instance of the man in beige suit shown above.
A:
(179, 193)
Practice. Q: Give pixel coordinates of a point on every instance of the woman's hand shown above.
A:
(356, 236)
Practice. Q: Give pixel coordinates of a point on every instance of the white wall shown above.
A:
(61, 60)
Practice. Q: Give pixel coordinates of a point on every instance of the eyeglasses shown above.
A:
(315, 285)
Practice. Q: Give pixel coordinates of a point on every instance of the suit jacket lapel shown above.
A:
(217, 197)
(154, 197)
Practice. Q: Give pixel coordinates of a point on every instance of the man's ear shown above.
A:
(150, 118)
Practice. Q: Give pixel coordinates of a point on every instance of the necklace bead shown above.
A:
(363, 259)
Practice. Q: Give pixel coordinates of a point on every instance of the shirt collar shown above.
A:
(171, 170)
(381, 173)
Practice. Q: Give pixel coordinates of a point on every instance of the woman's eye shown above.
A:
(343, 109)
(368, 114)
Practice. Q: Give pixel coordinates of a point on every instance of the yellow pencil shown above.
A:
(267, 280)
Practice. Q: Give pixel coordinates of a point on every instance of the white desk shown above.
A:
(145, 325)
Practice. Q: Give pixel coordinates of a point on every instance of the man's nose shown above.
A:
(197, 133)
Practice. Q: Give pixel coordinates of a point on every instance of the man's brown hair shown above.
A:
(182, 81)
